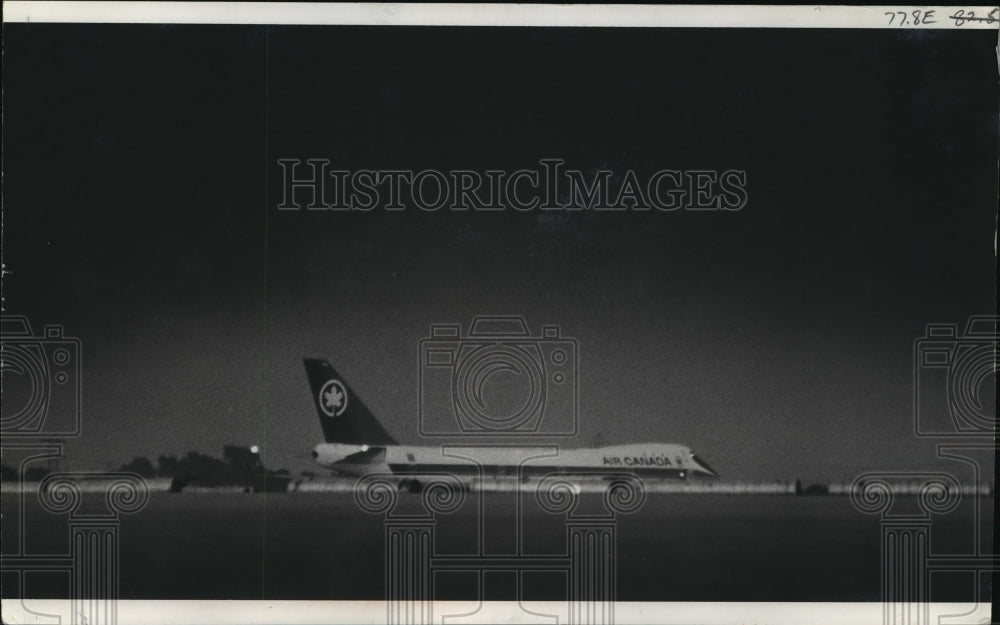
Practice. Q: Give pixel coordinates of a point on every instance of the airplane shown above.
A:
(356, 444)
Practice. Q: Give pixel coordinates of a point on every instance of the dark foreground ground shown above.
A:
(322, 546)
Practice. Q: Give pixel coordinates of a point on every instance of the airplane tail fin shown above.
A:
(341, 414)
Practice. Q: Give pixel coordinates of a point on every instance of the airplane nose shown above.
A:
(704, 466)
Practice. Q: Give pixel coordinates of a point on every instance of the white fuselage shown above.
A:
(652, 459)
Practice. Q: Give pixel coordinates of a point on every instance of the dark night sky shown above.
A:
(141, 185)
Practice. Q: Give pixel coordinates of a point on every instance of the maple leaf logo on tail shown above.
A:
(333, 398)
(343, 416)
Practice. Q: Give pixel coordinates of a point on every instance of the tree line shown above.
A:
(238, 465)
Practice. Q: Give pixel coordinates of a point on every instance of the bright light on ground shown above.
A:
(254, 449)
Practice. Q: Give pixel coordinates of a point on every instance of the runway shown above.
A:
(677, 547)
